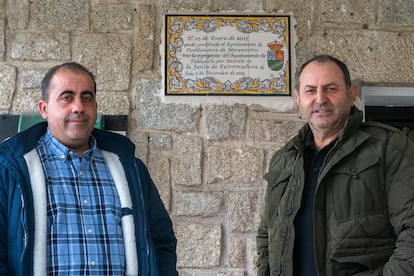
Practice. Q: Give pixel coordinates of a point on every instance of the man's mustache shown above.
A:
(77, 117)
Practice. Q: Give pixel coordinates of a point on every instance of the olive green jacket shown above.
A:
(364, 204)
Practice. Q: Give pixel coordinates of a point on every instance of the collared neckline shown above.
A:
(54, 146)
(310, 143)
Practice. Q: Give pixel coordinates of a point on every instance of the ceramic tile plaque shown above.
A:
(227, 55)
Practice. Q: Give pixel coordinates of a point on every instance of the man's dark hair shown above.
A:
(71, 66)
(326, 58)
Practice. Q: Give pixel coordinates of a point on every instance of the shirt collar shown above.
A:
(310, 144)
(54, 146)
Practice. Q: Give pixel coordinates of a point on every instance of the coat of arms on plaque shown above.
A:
(275, 56)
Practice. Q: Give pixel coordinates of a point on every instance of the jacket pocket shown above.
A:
(370, 261)
(277, 193)
(274, 179)
(356, 189)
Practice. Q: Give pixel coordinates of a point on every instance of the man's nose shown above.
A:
(77, 105)
(320, 97)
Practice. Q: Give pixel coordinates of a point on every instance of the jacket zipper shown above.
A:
(314, 198)
(144, 223)
(23, 223)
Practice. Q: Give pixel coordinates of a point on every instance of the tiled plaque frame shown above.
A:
(227, 55)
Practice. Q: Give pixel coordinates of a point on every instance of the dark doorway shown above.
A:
(401, 117)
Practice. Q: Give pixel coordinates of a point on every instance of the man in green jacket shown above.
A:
(340, 195)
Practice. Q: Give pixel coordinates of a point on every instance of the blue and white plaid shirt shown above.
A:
(84, 212)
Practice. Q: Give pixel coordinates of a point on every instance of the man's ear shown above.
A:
(353, 92)
(297, 99)
(296, 95)
(42, 106)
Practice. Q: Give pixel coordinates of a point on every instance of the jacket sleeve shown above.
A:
(262, 238)
(399, 179)
(161, 227)
(262, 250)
(3, 222)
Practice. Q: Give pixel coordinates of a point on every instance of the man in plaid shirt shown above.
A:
(74, 200)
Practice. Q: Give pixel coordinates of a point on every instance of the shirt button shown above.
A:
(90, 231)
(85, 202)
(80, 173)
(93, 263)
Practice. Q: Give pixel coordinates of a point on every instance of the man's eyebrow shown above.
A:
(87, 92)
(71, 92)
(309, 86)
(325, 85)
(330, 84)
(66, 92)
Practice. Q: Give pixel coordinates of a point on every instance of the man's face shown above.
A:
(71, 109)
(323, 97)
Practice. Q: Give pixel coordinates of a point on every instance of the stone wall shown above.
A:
(206, 159)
